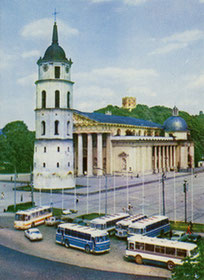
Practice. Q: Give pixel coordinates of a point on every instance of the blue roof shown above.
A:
(175, 123)
(102, 118)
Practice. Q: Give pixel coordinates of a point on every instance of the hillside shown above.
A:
(159, 114)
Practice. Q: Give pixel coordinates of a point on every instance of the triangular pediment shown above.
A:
(82, 120)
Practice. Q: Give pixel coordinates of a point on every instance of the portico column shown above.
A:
(159, 158)
(108, 155)
(155, 159)
(90, 156)
(99, 155)
(163, 158)
(167, 158)
(170, 155)
(80, 155)
(174, 157)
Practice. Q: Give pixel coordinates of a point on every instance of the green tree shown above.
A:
(192, 268)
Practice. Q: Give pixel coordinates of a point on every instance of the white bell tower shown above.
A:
(53, 153)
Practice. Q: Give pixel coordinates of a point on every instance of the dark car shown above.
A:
(192, 238)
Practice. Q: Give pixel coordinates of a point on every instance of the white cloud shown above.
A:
(141, 91)
(27, 80)
(178, 41)
(196, 82)
(201, 1)
(41, 29)
(32, 53)
(7, 59)
(135, 2)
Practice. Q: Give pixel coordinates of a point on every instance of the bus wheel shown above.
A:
(87, 249)
(170, 265)
(138, 259)
(66, 243)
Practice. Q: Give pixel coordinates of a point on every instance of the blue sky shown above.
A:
(150, 49)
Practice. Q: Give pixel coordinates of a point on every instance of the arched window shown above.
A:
(68, 99)
(68, 127)
(44, 149)
(58, 149)
(56, 127)
(44, 165)
(57, 164)
(57, 99)
(42, 128)
(43, 99)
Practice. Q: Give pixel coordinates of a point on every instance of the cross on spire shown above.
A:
(55, 15)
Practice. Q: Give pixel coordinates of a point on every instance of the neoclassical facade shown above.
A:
(119, 145)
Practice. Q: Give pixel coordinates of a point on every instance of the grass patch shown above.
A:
(20, 206)
(183, 226)
(29, 189)
(90, 216)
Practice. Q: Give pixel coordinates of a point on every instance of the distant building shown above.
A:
(129, 103)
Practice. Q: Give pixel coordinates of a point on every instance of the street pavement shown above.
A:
(143, 193)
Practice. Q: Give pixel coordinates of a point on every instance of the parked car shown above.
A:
(192, 238)
(177, 234)
(52, 221)
(33, 234)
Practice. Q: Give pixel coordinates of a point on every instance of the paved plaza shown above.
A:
(144, 194)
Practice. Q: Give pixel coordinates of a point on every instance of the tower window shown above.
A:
(68, 127)
(68, 99)
(58, 149)
(57, 72)
(44, 165)
(57, 99)
(67, 149)
(42, 128)
(57, 164)
(44, 149)
(56, 127)
(68, 164)
(43, 99)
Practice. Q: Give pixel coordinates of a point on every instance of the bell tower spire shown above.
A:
(55, 34)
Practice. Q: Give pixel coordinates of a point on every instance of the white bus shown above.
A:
(108, 222)
(159, 251)
(32, 217)
(81, 237)
(122, 226)
(152, 226)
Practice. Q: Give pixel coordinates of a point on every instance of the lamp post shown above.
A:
(106, 189)
(9, 163)
(185, 189)
(31, 184)
(163, 192)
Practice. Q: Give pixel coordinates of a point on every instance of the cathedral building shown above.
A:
(71, 143)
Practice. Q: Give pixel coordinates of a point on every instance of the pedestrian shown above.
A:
(2, 196)
(188, 229)
(21, 197)
(77, 200)
(191, 226)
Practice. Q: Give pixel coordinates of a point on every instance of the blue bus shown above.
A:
(152, 226)
(82, 237)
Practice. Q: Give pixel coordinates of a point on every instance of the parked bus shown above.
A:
(152, 226)
(159, 251)
(108, 222)
(122, 226)
(81, 237)
(32, 217)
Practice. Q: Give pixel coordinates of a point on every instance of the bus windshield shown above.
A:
(21, 217)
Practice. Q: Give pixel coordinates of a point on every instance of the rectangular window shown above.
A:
(181, 253)
(170, 251)
(139, 246)
(159, 249)
(57, 72)
(44, 149)
(149, 247)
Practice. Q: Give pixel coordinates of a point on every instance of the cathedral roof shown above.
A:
(54, 52)
(102, 118)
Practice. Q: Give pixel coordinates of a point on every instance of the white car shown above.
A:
(52, 221)
(176, 235)
(33, 234)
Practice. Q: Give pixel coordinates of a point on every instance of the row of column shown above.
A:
(164, 158)
(90, 166)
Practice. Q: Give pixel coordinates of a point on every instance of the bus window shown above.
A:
(131, 246)
(159, 249)
(139, 246)
(181, 253)
(149, 247)
(170, 251)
